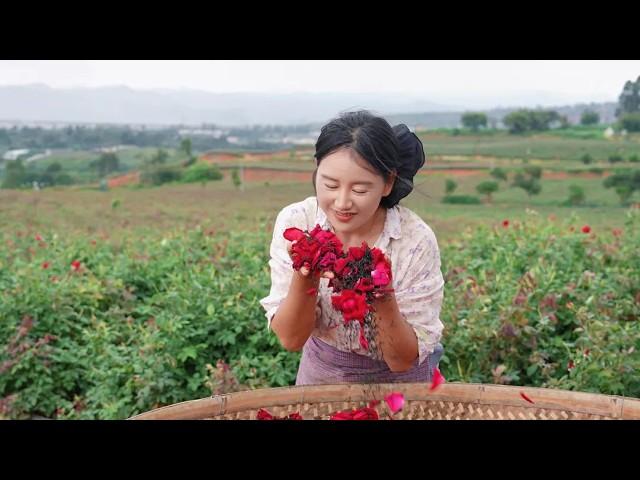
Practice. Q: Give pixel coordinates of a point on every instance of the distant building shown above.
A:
(15, 154)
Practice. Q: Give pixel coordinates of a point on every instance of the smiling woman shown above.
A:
(364, 168)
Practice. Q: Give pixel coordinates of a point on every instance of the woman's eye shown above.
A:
(359, 192)
(330, 186)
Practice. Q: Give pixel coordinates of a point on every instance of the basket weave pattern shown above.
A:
(451, 401)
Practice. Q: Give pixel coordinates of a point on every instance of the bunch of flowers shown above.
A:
(360, 275)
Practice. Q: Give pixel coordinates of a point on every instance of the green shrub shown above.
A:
(201, 172)
(461, 199)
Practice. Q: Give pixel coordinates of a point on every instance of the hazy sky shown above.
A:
(440, 81)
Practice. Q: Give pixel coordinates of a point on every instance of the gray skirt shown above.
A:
(322, 363)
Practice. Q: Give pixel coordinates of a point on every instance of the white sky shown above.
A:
(438, 80)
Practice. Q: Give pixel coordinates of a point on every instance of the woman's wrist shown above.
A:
(305, 281)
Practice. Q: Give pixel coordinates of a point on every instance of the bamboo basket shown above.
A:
(450, 401)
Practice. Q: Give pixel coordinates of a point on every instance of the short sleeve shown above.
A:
(421, 291)
(280, 263)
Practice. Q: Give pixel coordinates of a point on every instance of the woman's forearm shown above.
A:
(395, 336)
(295, 318)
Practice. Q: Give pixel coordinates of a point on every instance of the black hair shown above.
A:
(387, 149)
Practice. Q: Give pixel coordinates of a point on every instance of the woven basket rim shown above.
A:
(619, 407)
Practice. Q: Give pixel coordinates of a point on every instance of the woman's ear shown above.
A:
(313, 180)
(388, 186)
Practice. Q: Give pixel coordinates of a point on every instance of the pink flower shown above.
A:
(395, 401)
(380, 278)
(438, 379)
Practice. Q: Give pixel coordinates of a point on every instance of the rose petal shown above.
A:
(264, 415)
(395, 401)
(438, 379)
(312, 291)
(526, 397)
(292, 234)
(363, 341)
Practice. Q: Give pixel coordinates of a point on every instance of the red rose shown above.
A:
(505, 223)
(45, 265)
(364, 285)
(76, 265)
(586, 229)
(356, 253)
(352, 305)
(339, 265)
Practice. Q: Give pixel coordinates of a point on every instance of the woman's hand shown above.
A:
(305, 271)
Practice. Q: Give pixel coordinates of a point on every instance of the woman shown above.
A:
(364, 168)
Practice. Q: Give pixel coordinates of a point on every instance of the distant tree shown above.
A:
(576, 195)
(517, 122)
(534, 172)
(530, 185)
(185, 146)
(54, 168)
(629, 99)
(624, 183)
(160, 157)
(499, 174)
(474, 120)
(487, 188)
(589, 117)
(450, 186)
(524, 120)
(630, 122)
(106, 164)
(615, 158)
(586, 159)
(235, 177)
(15, 175)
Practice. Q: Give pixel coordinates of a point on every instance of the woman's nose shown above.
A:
(343, 202)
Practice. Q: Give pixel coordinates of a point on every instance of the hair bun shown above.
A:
(412, 158)
(411, 150)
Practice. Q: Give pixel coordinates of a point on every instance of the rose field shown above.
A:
(113, 303)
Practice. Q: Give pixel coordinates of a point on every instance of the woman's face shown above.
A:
(347, 183)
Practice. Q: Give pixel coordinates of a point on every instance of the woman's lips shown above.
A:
(344, 218)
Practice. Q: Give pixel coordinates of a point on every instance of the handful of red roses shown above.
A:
(360, 275)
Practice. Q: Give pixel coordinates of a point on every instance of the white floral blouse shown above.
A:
(415, 262)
